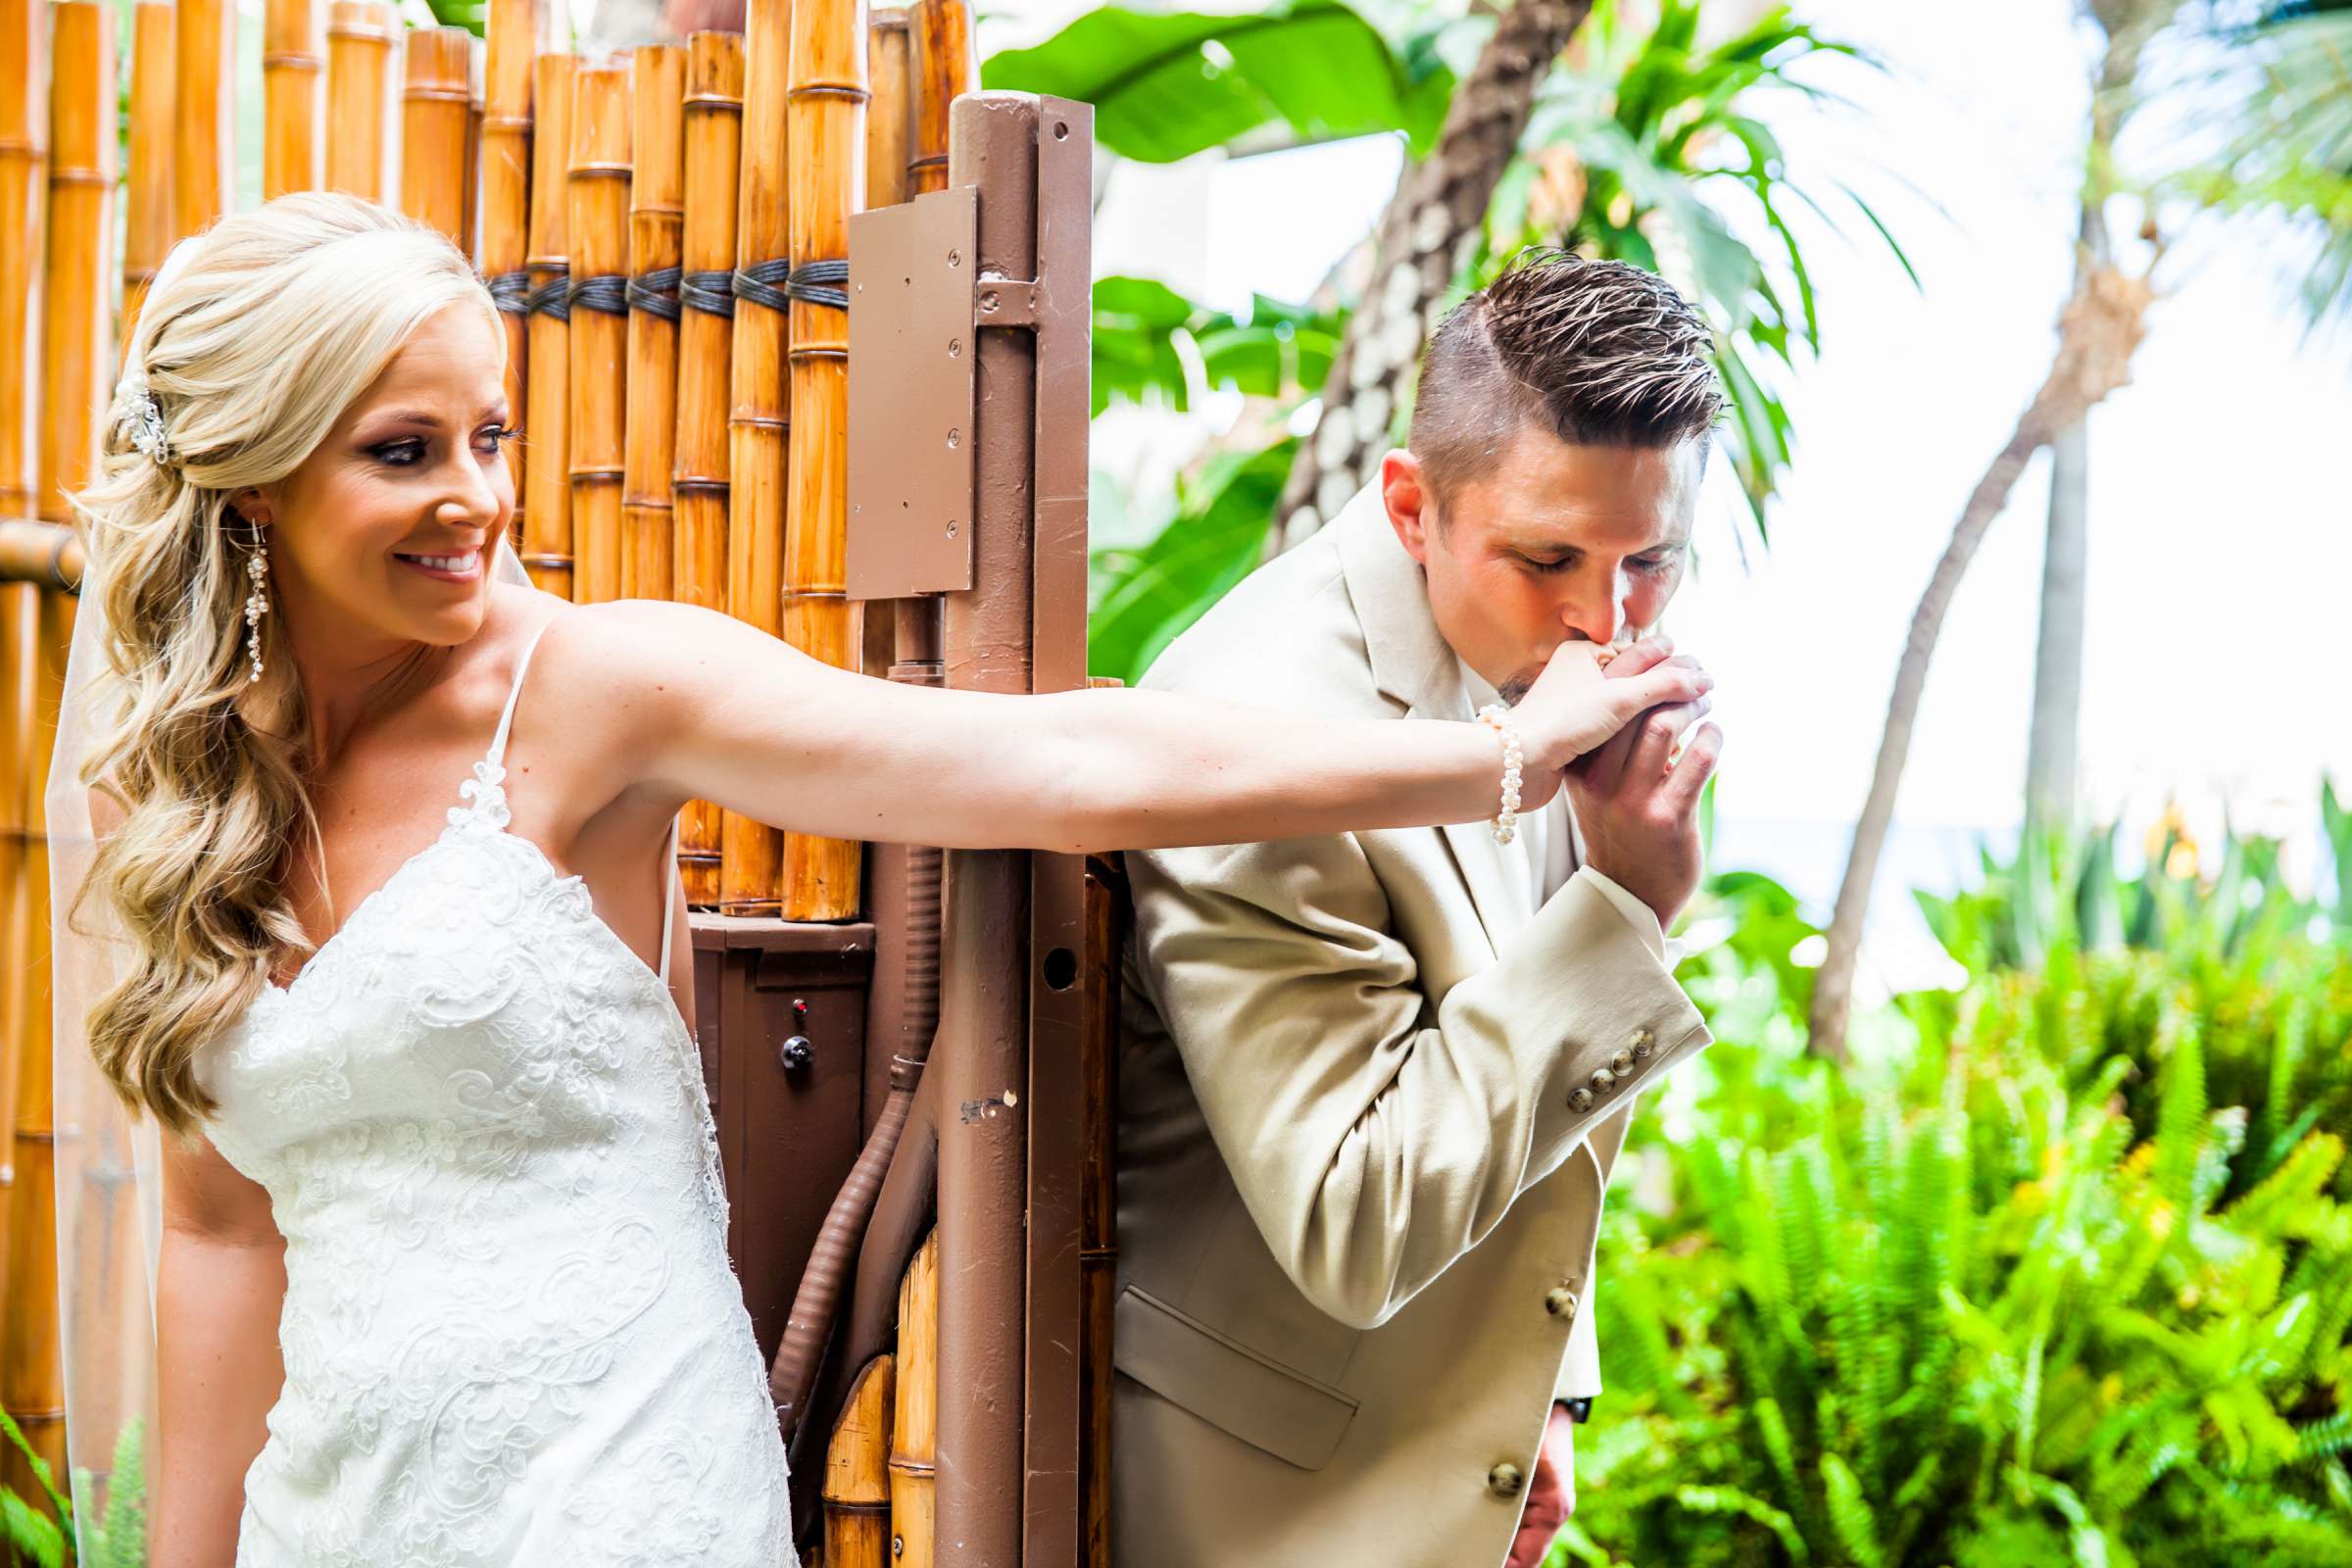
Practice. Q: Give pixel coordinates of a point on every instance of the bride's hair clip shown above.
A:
(135, 405)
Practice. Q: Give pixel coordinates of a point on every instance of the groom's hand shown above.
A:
(1548, 1491)
(1638, 811)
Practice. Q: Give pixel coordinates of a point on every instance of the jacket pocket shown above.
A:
(1226, 1384)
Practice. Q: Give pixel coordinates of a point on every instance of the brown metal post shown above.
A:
(1060, 307)
(984, 1001)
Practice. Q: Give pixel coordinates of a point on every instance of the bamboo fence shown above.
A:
(699, 486)
(293, 96)
(359, 83)
(657, 241)
(673, 292)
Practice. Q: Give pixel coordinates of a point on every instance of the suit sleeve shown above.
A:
(1374, 1135)
(1669, 950)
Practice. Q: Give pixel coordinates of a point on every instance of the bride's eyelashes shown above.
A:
(409, 451)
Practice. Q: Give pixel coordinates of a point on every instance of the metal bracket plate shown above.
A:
(913, 370)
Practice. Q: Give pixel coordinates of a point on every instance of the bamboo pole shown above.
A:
(436, 124)
(547, 472)
(751, 868)
(598, 189)
(887, 128)
(359, 64)
(24, 193)
(914, 1425)
(940, 39)
(656, 237)
(293, 103)
(469, 227)
(76, 313)
(826, 132)
(147, 193)
(506, 207)
(856, 1489)
(706, 341)
(204, 40)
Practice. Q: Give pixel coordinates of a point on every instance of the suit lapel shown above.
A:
(1412, 664)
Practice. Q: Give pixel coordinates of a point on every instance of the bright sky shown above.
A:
(2219, 553)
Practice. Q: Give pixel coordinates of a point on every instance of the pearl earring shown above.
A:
(256, 605)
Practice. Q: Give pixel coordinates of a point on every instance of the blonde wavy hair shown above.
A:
(279, 321)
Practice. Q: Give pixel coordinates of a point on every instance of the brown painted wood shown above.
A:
(713, 113)
(293, 97)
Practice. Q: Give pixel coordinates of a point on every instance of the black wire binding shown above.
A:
(552, 298)
(823, 283)
(510, 292)
(764, 283)
(607, 292)
(707, 292)
(656, 293)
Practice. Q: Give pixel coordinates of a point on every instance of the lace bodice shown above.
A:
(510, 1332)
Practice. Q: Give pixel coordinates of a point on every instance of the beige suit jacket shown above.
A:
(1357, 1189)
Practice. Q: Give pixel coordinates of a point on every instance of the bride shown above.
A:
(442, 1275)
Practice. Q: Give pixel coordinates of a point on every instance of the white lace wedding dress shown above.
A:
(511, 1333)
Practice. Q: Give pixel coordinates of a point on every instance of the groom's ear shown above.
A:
(1412, 510)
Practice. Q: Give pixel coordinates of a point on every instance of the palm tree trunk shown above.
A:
(2097, 333)
(1421, 243)
(2054, 741)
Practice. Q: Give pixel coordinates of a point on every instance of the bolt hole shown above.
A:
(1061, 969)
(1061, 130)
(954, 439)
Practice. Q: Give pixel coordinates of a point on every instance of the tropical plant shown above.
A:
(1649, 148)
(119, 1540)
(1654, 148)
(30, 1535)
(2065, 1284)
(1166, 84)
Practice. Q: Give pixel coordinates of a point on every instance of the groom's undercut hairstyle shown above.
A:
(1598, 352)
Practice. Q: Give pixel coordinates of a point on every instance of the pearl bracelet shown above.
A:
(1506, 821)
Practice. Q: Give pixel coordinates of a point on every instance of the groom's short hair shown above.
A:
(1598, 352)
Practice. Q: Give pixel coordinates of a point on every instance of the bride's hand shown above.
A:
(1577, 704)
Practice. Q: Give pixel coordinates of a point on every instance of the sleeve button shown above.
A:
(1506, 1479)
(1623, 1061)
(1560, 1303)
(1579, 1098)
(1603, 1080)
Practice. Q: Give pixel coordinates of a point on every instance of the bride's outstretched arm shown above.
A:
(722, 711)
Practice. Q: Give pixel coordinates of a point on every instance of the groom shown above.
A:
(1373, 1085)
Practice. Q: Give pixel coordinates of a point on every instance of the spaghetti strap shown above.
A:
(669, 894)
(506, 720)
